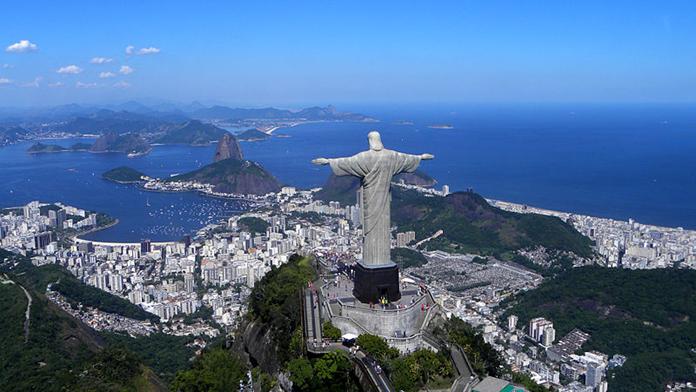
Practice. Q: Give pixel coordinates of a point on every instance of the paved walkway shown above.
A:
(315, 344)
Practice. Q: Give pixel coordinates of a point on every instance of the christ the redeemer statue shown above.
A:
(375, 168)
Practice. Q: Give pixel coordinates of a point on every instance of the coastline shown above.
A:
(94, 230)
(564, 215)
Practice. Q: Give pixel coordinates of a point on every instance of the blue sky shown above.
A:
(296, 53)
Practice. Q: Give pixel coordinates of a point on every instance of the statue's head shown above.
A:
(375, 141)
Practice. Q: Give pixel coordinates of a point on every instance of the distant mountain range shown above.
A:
(328, 113)
(161, 124)
(136, 116)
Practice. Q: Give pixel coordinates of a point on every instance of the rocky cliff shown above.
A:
(228, 148)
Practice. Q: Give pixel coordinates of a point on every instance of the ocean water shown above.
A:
(612, 161)
(75, 178)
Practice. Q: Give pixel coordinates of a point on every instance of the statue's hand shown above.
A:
(320, 161)
(427, 156)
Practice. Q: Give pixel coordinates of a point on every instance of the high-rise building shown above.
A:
(537, 326)
(445, 190)
(145, 246)
(512, 322)
(189, 283)
(56, 218)
(42, 240)
(548, 336)
(594, 375)
(403, 239)
(31, 210)
(603, 386)
(116, 282)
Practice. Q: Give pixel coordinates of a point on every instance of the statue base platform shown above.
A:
(373, 283)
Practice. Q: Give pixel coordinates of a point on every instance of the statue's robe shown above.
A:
(375, 169)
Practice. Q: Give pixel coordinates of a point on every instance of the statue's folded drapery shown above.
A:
(375, 169)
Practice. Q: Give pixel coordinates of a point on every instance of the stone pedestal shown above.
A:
(373, 283)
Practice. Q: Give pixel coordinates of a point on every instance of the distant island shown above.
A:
(124, 175)
(441, 126)
(39, 148)
(252, 135)
(191, 132)
(130, 143)
(230, 175)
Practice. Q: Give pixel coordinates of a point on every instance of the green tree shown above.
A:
(275, 301)
(332, 372)
(214, 371)
(296, 346)
(301, 373)
(377, 347)
(330, 331)
(482, 355)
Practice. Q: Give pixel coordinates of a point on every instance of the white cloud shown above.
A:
(122, 84)
(85, 85)
(148, 50)
(132, 50)
(22, 47)
(126, 70)
(4, 81)
(7, 66)
(56, 84)
(34, 83)
(69, 69)
(101, 60)
(105, 75)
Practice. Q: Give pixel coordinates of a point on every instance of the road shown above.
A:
(380, 379)
(27, 313)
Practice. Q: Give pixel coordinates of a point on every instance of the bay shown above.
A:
(617, 161)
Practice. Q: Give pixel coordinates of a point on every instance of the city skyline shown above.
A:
(254, 55)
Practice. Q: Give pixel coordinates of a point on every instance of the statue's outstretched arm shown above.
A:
(426, 156)
(320, 161)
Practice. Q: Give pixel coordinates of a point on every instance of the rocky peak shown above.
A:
(228, 148)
